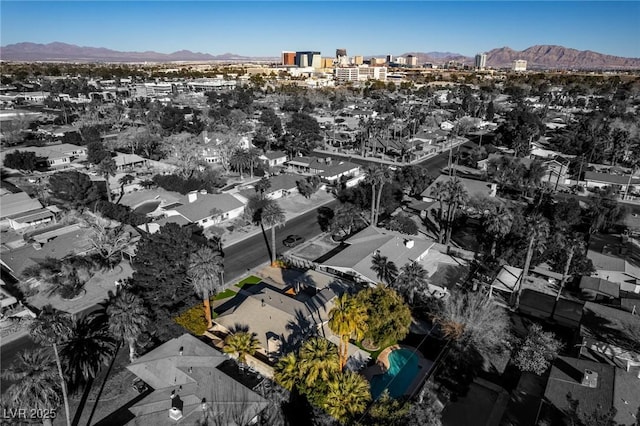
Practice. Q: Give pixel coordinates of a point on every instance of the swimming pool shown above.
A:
(147, 207)
(403, 368)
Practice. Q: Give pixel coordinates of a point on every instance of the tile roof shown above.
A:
(599, 285)
(611, 326)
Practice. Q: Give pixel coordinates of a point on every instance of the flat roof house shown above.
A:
(20, 211)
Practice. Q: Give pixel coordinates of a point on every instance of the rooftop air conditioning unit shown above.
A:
(590, 379)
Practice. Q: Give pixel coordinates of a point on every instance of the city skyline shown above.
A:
(265, 28)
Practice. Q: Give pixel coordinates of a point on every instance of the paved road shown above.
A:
(247, 254)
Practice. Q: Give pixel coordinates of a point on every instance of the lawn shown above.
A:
(374, 354)
(225, 294)
(249, 281)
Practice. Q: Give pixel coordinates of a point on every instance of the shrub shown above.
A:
(193, 320)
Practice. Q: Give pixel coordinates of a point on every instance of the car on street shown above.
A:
(293, 240)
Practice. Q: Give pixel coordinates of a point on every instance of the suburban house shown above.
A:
(207, 209)
(596, 386)
(190, 388)
(281, 318)
(274, 158)
(20, 211)
(282, 185)
(622, 182)
(328, 169)
(54, 155)
(355, 260)
(475, 188)
(126, 161)
(616, 259)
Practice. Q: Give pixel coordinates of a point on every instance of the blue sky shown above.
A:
(265, 28)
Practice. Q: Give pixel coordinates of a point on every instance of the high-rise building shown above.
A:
(308, 59)
(376, 61)
(481, 61)
(327, 62)
(389, 59)
(358, 60)
(401, 61)
(362, 73)
(288, 58)
(519, 65)
(412, 61)
(341, 57)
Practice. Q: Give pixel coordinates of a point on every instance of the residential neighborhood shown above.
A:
(290, 244)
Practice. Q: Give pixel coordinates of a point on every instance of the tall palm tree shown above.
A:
(205, 272)
(89, 347)
(385, 177)
(107, 167)
(287, 371)
(538, 227)
(439, 191)
(457, 196)
(347, 319)
(497, 224)
(375, 174)
(385, 270)
(53, 328)
(35, 377)
(572, 243)
(124, 180)
(412, 277)
(272, 216)
(318, 359)
(348, 396)
(241, 343)
(239, 160)
(128, 319)
(253, 156)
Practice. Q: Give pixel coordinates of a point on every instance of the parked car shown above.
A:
(293, 240)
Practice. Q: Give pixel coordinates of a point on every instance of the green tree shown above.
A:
(497, 224)
(96, 152)
(128, 319)
(241, 343)
(21, 160)
(348, 320)
(287, 372)
(537, 351)
(53, 328)
(387, 411)
(36, 386)
(109, 241)
(205, 271)
(318, 359)
(348, 396)
(272, 216)
(388, 317)
(385, 269)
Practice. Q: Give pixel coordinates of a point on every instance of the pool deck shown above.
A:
(382, 366)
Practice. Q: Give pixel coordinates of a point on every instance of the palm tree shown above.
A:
(239, 160)
(439, 191)
(412, 277)
(572, 243)
(241, 343)
(457, 196)
(53, 328)
(385, 270)
(497, 224)
(375, 175)
(128, 318)
(90, 345)
(124, 180)
(35, 377)
(385, 177)
(318, 359)
(107, 167)
(253, 156)
(287, 371)
(538, 227)
(348, 396)
(272, 216)
(205, 272)
(347, 319)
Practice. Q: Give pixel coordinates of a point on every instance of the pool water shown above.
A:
(147, 207)
(403, 368)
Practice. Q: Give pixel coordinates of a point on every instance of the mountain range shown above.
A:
(537, 57)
